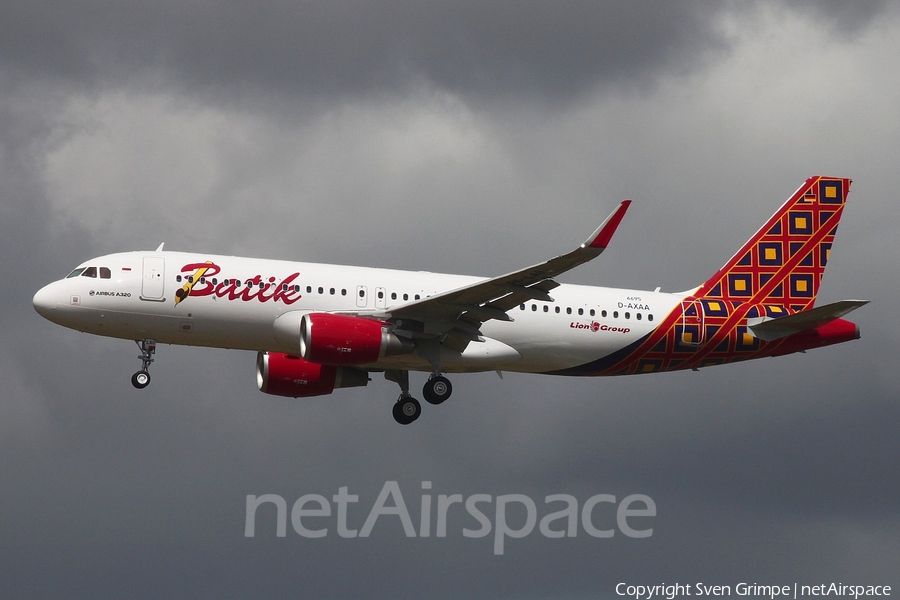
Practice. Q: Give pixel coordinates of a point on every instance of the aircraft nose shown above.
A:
(44, 301)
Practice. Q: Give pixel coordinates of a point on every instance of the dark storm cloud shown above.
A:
(314, 48)
(845, 18)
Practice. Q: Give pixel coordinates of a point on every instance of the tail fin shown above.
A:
(784, 262)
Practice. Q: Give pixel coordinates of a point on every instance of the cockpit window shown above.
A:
(75, 273)
(105, 273)
(90, 272)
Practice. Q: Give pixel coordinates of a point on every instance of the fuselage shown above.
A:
(234, 302)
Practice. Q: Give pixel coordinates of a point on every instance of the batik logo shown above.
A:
(203, 281)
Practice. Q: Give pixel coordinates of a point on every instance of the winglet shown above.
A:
(603, 234)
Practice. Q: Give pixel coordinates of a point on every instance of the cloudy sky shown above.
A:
(466, 137)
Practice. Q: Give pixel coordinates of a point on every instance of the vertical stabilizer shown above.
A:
(784, 262)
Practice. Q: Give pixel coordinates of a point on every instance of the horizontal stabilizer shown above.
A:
(769, 328)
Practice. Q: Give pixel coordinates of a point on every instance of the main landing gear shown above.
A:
(437, 389)
(407, 409)
(141, 379)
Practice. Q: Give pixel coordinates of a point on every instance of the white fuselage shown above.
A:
(233, 302)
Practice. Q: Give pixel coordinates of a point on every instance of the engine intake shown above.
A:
(331, 339)
(288, 375)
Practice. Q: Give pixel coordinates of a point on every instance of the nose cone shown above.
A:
(44, 301)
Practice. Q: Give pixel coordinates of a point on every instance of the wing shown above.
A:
(457, 315)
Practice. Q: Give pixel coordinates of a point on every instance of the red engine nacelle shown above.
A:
(287, 375)
(331, 339)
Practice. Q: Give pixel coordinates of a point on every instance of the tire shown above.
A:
(437, 389)
(140, 380)
(406, 410)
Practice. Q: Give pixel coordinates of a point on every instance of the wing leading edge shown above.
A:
(458, 314)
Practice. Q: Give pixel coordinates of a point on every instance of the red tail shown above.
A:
(784, 262)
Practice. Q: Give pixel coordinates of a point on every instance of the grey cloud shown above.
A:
(315, 48)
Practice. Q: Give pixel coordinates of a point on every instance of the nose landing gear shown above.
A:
(141, 379)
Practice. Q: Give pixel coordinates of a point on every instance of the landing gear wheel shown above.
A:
(406, 410)
(437, 389)
(140, 380)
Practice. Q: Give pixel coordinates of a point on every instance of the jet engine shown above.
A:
(331, 339)
(288, 375)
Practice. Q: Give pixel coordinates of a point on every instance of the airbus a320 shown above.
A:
(319, 327)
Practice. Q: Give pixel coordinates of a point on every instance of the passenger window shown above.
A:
(331, 291)
(417, 296)
(557, 310)
(105, 273)
(615, 314)
(393, 295)
(75, 273)
(580, 311)
(309, 289)
(638, 316)
(178, 278)
(649, 317)
(628, 315)
(406, 296)
(534, 307)
(380, 295)
(546, 308)
(362, 293)
(592, 312)
(321, 290)
(568, 310)
(90, 272)
(602, 313)
(343, 292)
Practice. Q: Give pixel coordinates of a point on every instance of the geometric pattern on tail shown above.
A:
(784, 262)
(775, 273)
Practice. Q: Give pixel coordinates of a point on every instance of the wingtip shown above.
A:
(603, 234)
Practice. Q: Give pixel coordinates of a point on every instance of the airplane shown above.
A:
(320, 327)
